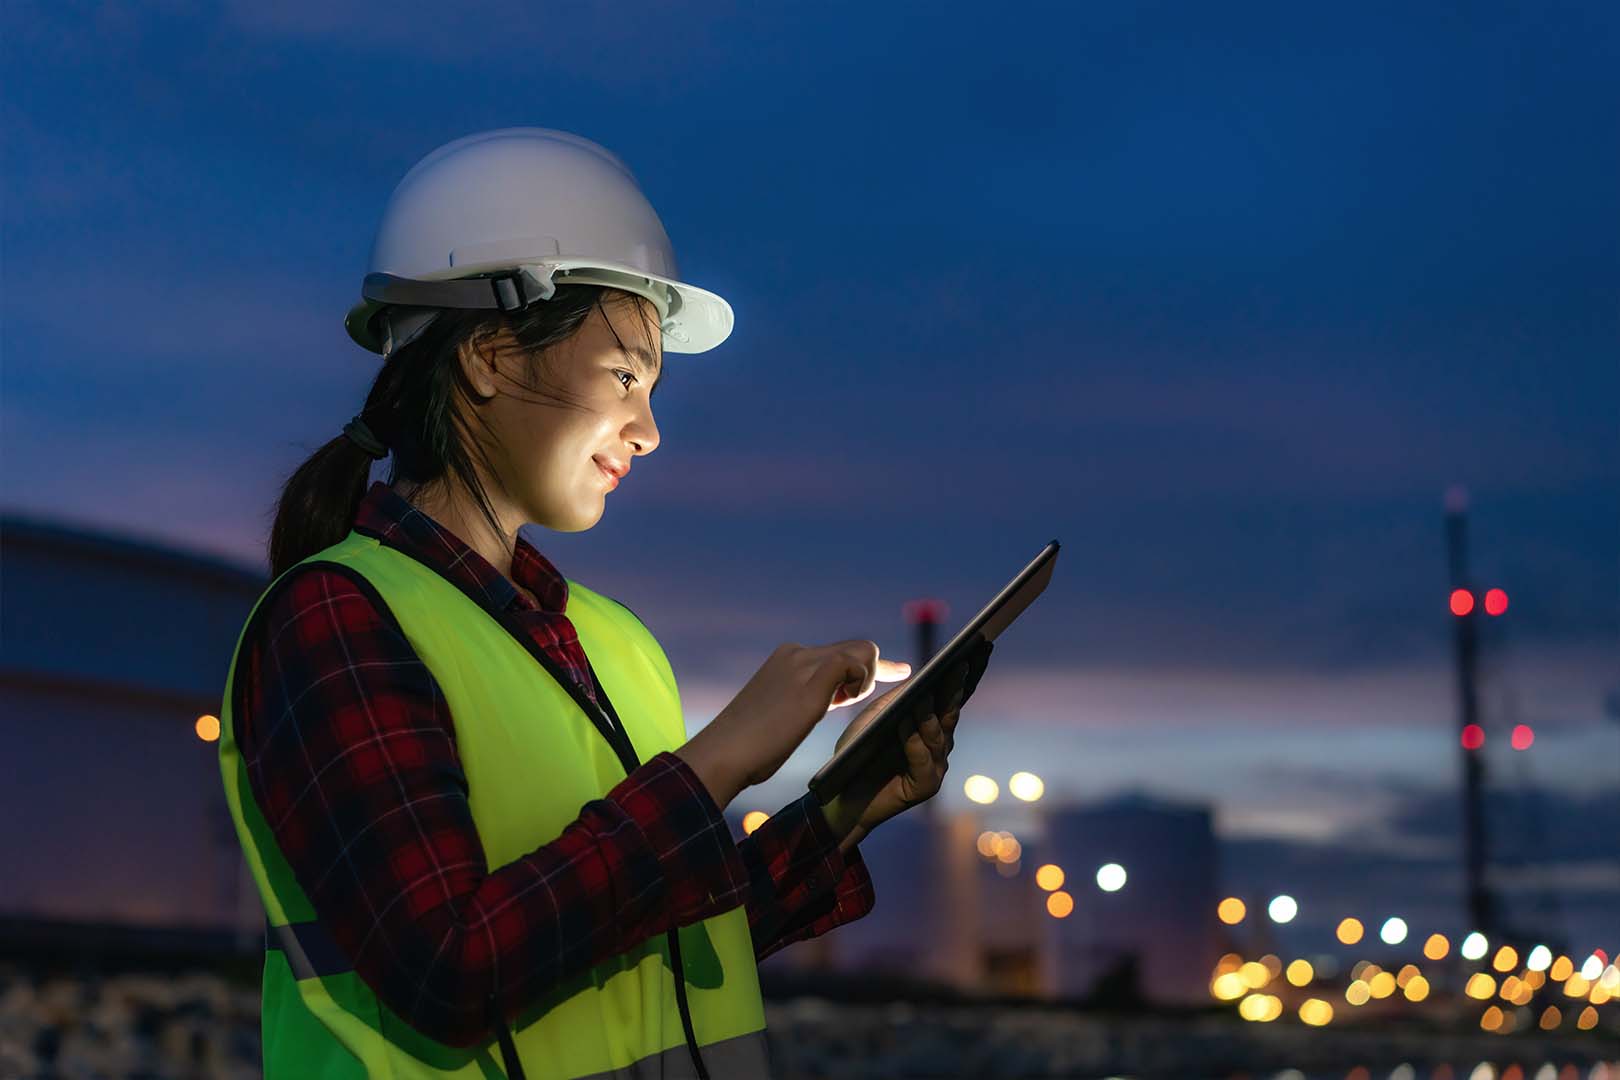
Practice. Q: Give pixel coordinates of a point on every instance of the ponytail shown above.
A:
(412, 409)
(318, 502)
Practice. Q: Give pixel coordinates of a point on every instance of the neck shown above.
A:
(460, 514)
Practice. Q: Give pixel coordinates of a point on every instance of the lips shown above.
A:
(613, 481)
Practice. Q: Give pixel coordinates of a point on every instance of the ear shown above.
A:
(477, 360)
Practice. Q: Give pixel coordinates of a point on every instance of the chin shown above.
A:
(574, 524)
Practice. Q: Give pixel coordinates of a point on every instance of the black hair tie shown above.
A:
(361, 436)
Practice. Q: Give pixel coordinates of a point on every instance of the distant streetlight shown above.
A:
(1111, 877)
(1026, 786)
(981, 789)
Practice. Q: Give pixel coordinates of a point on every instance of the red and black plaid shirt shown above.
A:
(351, 755)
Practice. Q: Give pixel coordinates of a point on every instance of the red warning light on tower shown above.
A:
(1473, 736)
(924, 611)
(1495, 602)
(1462, 601)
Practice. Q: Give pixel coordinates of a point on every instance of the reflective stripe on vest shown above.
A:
(532, 757)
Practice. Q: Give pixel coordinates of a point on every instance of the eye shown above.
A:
(621, 371)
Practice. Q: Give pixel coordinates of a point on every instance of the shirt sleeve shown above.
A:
(351, 757)
(802, 885)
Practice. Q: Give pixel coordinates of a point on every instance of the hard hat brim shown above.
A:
(694, 320)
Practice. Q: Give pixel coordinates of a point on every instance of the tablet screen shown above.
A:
(881, 737)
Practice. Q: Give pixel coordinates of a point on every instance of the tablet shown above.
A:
(881, 737)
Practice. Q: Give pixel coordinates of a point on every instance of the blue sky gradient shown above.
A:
(1223, 298)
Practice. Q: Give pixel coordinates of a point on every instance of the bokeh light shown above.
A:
(1232, 910)
(1496, 601)
(1357, 993)
(1475, 946)
(1393, 932)
(753, 820)
(1349, 931)
(1262, 1008)
(1026, 786)
(1473, 737)
(1436, 947)
(1506, 959)
(1254, 974)
(207, 728)
(1049, 877)
(981, 789)
(1059, 904)
(1480, 986)
(1416, 988)
(1282, 908)
(1110, 877)
(1462, 601)
(1540, 958)
(1300, 973)
(1315, 1012)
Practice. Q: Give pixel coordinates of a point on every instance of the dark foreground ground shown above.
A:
(199, 1024)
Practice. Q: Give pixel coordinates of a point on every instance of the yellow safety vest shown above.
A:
(532, 756)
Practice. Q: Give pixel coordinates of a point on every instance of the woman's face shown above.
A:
(545, 452)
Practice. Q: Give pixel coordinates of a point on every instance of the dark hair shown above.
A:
(412, 407)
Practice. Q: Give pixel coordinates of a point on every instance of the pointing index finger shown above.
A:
(891, 670)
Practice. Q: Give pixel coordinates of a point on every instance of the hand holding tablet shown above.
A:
(878, 747)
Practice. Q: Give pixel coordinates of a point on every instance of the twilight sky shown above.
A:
(1221, 298)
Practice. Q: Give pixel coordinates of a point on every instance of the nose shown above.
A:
(643, 436)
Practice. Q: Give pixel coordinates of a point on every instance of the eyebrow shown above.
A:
(647, 362)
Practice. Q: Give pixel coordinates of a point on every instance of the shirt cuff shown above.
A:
(803, 885)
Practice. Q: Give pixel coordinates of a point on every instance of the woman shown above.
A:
(462, 780)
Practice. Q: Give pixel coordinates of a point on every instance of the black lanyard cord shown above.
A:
(606, 721)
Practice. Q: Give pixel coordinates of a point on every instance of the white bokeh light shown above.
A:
(981, 789)
(1282, 908)
(1474, 946)
(1026, 786)
(1540, 958)
(1110, 877)
(1393, 931)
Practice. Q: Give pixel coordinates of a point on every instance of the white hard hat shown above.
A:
(498, 219)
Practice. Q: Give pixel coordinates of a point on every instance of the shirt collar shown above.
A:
(388, 518)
